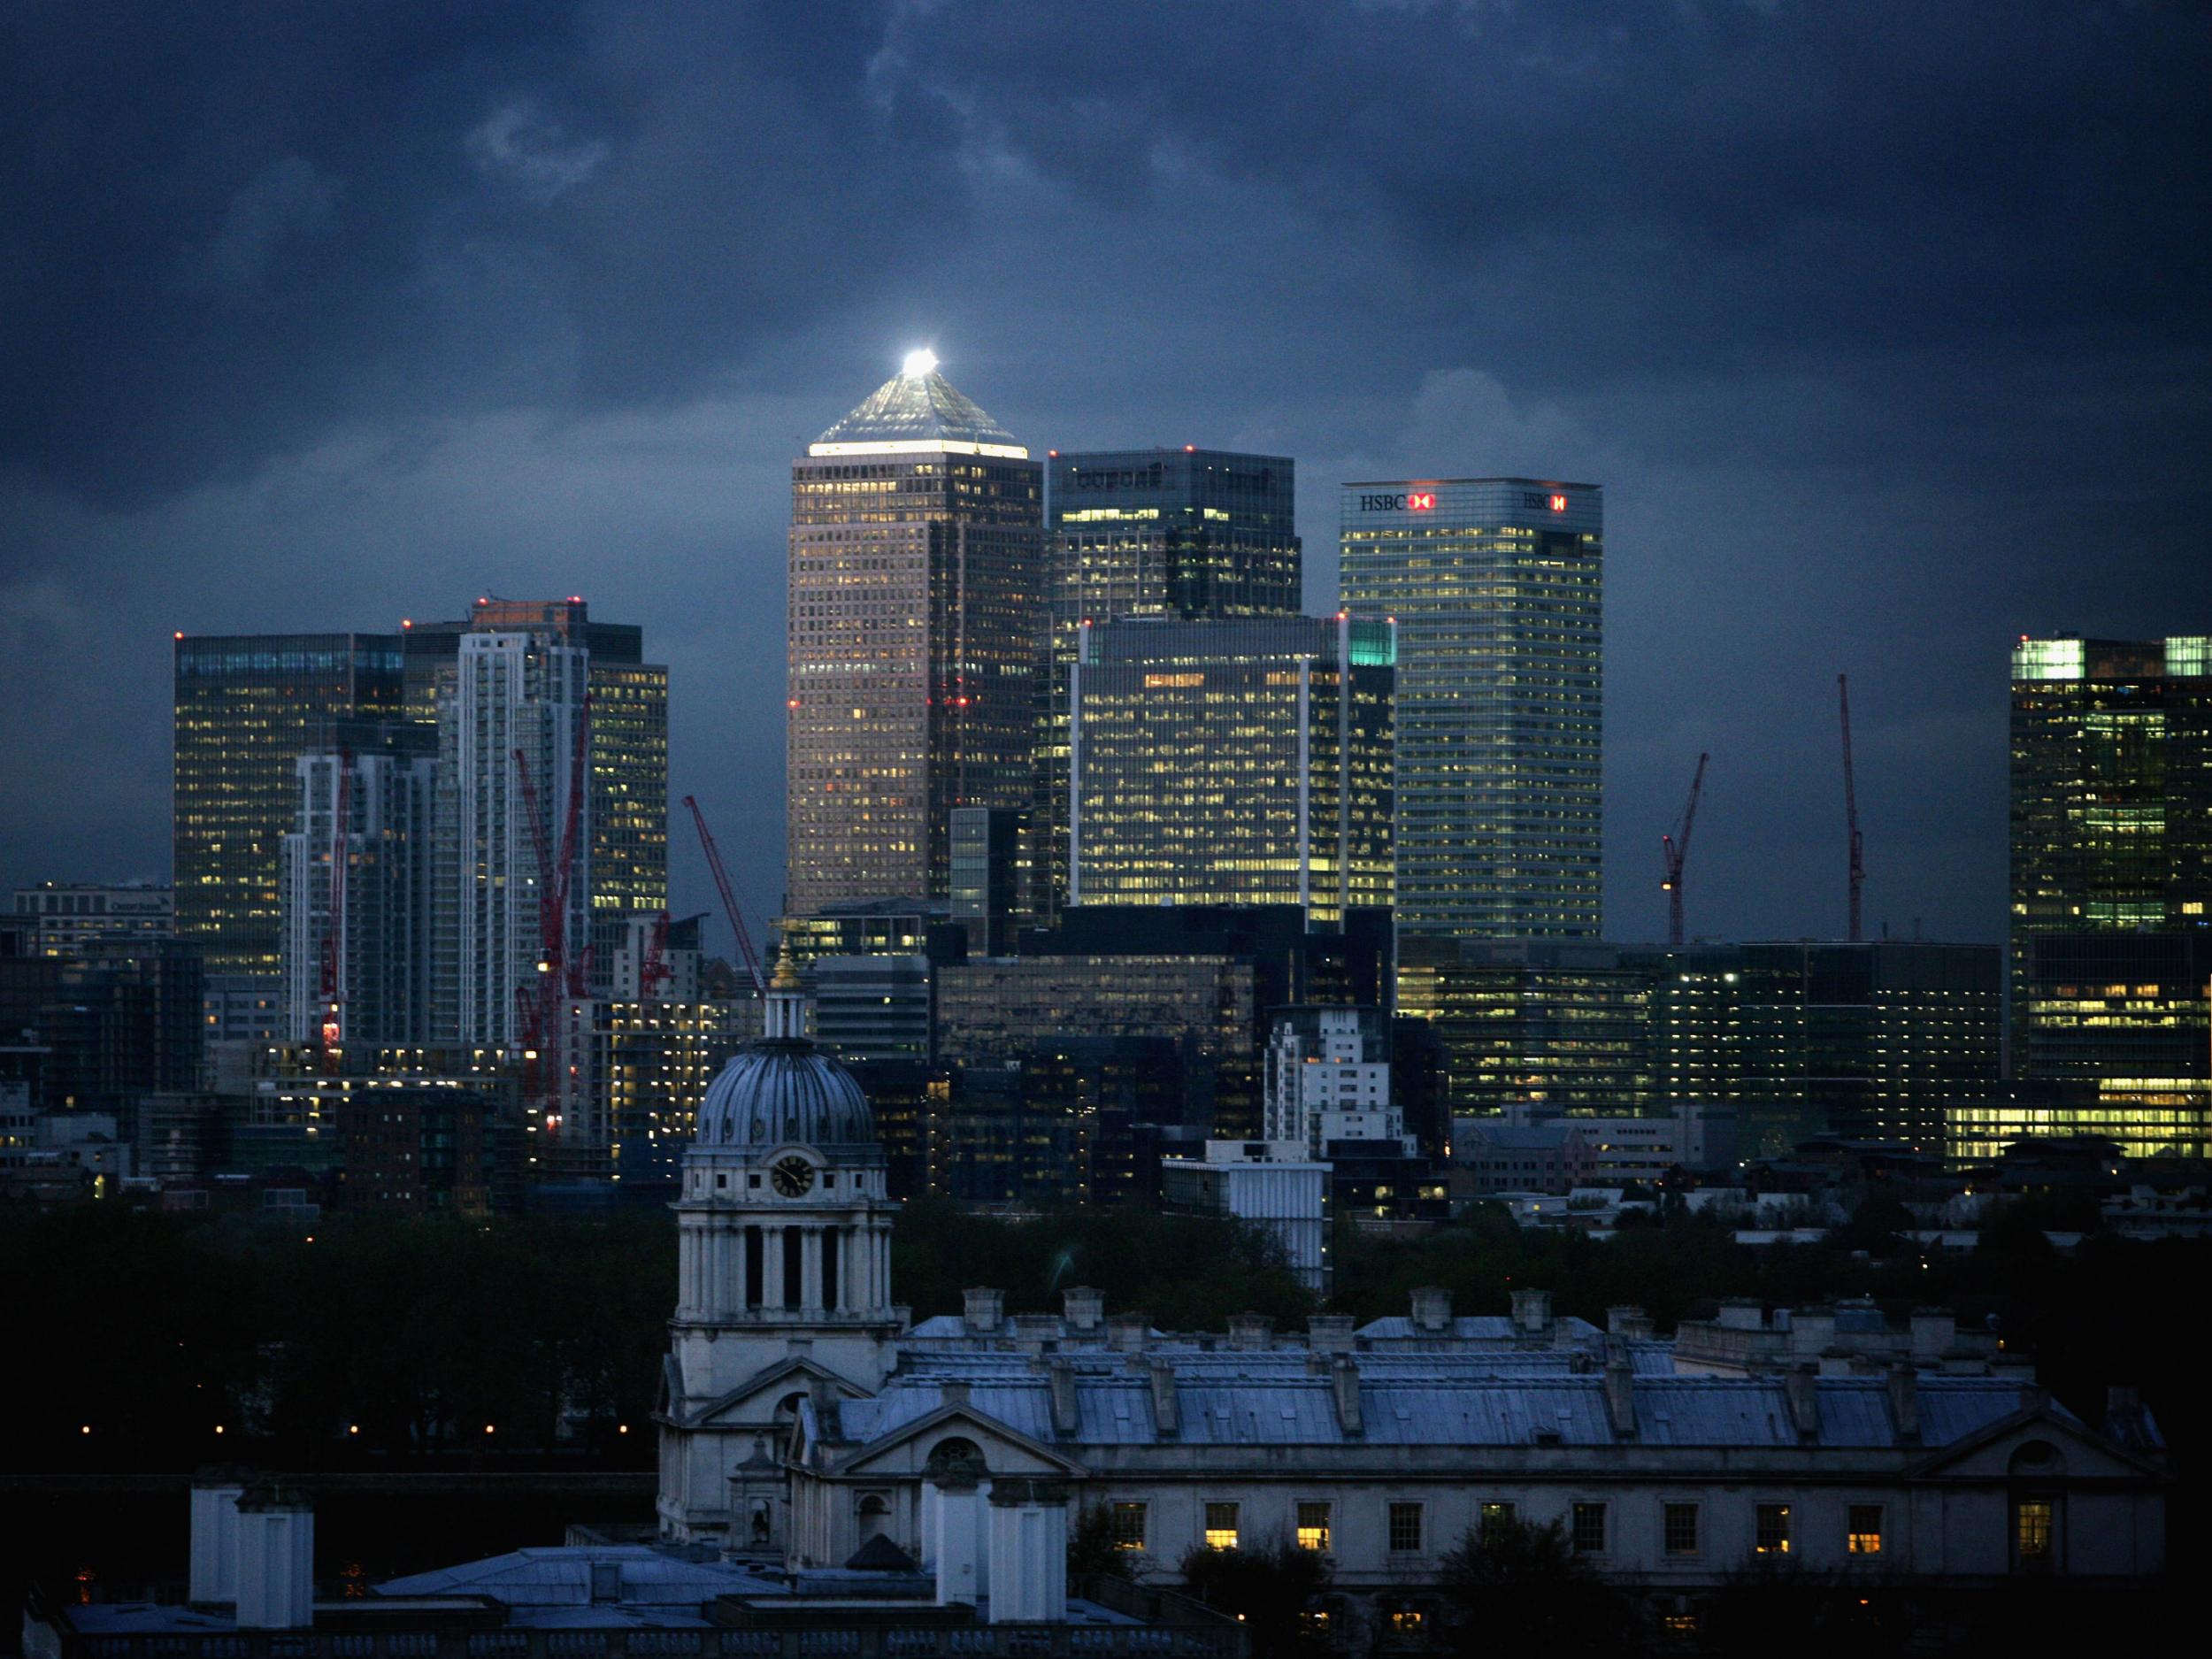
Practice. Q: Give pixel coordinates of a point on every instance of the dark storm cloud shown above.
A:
(1885, 326)
(228, 227)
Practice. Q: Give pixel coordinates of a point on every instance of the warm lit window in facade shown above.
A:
(1128, 1526)
(1313, 1526)
(1221, 1526)
(1864, 1537)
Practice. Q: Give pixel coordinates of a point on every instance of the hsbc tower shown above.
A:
(1497, 586)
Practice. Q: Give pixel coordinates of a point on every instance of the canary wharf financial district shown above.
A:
(1116, 872)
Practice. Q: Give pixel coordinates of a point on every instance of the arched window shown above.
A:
(955, 1456)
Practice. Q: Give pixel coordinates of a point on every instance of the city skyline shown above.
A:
(1853, 386)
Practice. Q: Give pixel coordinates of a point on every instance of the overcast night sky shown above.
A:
(1884, 325)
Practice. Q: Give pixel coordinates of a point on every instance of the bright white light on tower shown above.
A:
(919, 364)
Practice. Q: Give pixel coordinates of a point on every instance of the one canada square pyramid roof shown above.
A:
(918, 414)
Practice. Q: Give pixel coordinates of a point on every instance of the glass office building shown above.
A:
(247, 708)
(1183, 533)
(2112, 876)
(1497, 587)
(914, 615)
(1233, 763)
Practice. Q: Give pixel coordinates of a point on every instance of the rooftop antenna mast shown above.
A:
(1675, 849)
(1851, 812)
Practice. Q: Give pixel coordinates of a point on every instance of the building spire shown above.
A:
(786, 1019)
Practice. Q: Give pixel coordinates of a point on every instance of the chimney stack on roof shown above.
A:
(983, 1311)
(1085, 1307)
(1432, 1310)
(1251, 1333)
(1532, 1312)
(1329, 1333)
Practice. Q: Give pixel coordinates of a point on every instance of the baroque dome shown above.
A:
(778, 1091)
(783, 1089)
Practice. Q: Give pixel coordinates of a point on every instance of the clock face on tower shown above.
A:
(793, 1177)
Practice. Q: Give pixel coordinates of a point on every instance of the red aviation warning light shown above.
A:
(1421, 501)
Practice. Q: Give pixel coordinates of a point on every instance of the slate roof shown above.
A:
(1408, 1405)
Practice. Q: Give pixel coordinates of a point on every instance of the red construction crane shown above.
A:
(334, 918)
(562, 971)
(1674, 849)
(653, 970)
(1851, 809)
(729, 898)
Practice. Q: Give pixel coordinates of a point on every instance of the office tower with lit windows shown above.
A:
(917, 525)
(66, 917)
(2111, 878)
(1232, 762)
(1185, 534)
(1497, 587)
(247, 707)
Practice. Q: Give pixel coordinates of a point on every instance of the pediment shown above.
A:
(752, 1402)
(905, 1450)
(1989, 1454)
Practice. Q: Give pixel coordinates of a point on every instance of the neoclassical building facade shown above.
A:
(804, 1418)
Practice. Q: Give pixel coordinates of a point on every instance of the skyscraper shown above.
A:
(916, 525)
(382, 954)
(247, 706)
(511, 725)
(1233, 763)
(2111, 958)
(1187, 534)
(627, 807)
(1497, 587)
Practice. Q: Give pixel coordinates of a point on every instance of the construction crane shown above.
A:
(1675, 848)
(653, 970)
(334, 918)
(564, 969)
(729, 898)
(1851, 810)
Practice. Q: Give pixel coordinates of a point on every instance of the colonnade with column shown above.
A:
(732, 1268)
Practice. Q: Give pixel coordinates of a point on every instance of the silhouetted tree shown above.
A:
(1272, 1587)
(1515, 1586)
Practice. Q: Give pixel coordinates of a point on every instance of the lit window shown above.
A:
(1681, 1529)
(1773, 1538)
(1496, 1515)
(1128, 1521)
(1407, 1621)
(2032, 1531)
(1313, 1526)
(1865, 1536)
(1588, 1532)
(1405, 1527)
(1221, 1526)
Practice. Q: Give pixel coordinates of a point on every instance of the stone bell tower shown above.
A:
(784, 1277)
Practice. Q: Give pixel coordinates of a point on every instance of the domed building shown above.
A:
(784, 1277)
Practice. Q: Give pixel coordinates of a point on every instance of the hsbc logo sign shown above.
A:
(1543, 503)
(1411, 501)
